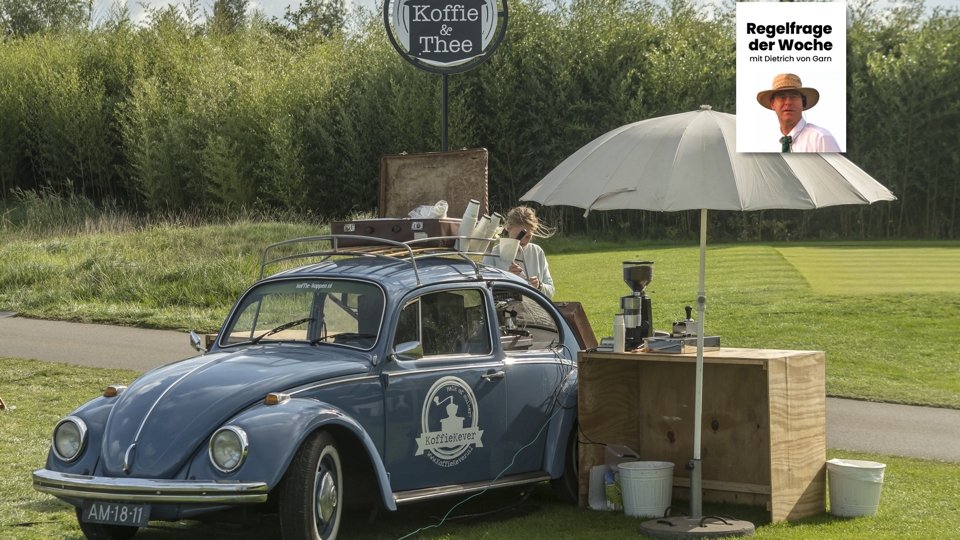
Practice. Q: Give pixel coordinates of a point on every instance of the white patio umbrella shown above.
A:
(689, 161)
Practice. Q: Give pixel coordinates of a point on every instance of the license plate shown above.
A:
(134, 515)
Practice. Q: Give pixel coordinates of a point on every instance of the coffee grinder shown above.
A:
(637, 315)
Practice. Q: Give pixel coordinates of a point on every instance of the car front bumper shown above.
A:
(147, 490)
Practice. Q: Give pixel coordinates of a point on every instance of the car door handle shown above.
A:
(491, 376)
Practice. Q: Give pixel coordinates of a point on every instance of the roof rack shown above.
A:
(408, 251)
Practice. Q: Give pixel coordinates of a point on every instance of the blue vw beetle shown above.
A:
(369, 377)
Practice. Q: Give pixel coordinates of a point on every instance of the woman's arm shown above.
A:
(546, 280)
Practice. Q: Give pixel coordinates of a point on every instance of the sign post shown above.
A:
(445, 37)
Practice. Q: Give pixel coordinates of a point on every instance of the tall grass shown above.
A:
(167, 116)
(65, 258)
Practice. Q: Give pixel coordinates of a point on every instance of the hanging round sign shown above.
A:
(445, 36)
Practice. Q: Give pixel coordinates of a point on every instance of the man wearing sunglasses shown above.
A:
(788, 98)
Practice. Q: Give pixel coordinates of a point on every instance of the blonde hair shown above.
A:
(526, 217)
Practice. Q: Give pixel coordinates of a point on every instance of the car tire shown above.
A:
(567, 488)
(311, 493)
(99, 531)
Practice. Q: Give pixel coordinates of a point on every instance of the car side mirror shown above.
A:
(410, 350)
(196, 343)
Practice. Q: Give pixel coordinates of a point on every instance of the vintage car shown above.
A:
(366, 376)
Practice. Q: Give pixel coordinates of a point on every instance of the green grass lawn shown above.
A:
(920, 498)
(886, 314)
(163, 276)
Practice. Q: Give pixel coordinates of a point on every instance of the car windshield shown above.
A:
(342, 312)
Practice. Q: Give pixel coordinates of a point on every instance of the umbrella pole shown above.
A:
(696, 472)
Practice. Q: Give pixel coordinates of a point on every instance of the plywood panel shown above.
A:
(735, 421)
(609, 415)
(798, 435)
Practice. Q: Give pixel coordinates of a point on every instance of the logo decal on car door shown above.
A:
(449, 423)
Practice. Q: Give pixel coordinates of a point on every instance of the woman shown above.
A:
(530, 263)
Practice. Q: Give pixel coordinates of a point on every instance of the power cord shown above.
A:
(523, 498)
(560, 370)
(588, 439)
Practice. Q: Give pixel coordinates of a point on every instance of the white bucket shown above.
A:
(854, 487)
(647, 487)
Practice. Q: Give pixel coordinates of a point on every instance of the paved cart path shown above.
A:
(92, 345)
(851, 425)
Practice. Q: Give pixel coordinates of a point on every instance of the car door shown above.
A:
(535, 366)
(445, 412)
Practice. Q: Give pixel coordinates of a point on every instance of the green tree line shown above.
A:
(224, 111)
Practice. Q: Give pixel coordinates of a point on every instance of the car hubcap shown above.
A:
(326, 496)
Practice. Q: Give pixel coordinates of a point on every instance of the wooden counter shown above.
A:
(764, 422)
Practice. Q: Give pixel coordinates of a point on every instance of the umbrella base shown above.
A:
(705, 527)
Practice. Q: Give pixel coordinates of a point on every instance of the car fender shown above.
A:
(291, 422)
(558, 432)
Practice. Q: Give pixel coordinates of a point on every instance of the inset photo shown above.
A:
(792, 112)
(791, 77)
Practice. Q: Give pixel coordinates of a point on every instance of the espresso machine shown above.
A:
(635, 308)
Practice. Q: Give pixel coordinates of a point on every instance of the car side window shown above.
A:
(446, 323)
(524, 323)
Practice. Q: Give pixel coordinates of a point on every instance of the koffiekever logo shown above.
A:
(449, 423)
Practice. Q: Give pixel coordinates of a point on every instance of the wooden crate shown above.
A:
(763, 423)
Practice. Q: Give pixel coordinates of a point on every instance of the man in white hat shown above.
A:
(788, 98)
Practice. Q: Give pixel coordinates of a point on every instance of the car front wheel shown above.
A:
(311, 494)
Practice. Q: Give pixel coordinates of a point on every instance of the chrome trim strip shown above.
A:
(127, 460)
(512, 361)
(460, 367)
(332, 383)
(414, 495)
(147, 490)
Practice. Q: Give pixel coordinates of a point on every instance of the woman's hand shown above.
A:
(535, 281)
(515, 269)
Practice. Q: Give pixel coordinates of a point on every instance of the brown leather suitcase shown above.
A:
(408, 181)
(577, 318)
(411, 180)
(398, 230)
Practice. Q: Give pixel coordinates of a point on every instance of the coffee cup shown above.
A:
(508, 252)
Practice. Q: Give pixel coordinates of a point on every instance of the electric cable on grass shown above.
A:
(523, 499)
(512, 461)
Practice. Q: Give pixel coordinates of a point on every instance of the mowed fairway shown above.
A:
(887, 315)
(860, 269)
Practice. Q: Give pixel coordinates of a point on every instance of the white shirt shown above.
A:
(811, 138)
(533, 262)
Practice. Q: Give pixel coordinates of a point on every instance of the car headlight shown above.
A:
(68, 438)
(228, 448)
